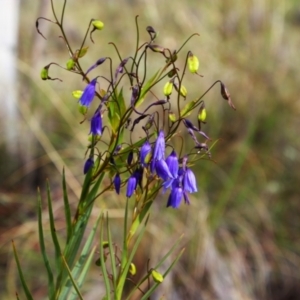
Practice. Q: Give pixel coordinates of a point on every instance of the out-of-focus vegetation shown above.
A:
(241, 229)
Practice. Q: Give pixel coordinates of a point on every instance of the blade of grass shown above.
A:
(53, 230)
(103, 265)
(67, 207)
(112, 254)
(71, 278)
(51, 289)
(157, 266)
(125, 270)
(154, 287)
(86, 267)
(77, 271)
(23, 282)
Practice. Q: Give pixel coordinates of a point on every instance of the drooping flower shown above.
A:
(175, 197)
(162, 170)
(88, 94)
(145, 154)
(189, 181)
(159, 148)
(99, 62)
(131, 185)
(117, 183)
(133, 181)
(88, 165)
(96, 124)
(129, 158)
(172, 162)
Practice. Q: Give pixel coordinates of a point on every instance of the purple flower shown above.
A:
(88, 165)
(159, 148)
(131, 185)
(145, 154)
(88, 93)
(117, 183)
(129, 158)
(189, 181)
(162, 170)
(96, 64)
(172, 162)
(175, 197)
(96, 124)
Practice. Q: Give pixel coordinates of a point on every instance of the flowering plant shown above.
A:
(137, 168)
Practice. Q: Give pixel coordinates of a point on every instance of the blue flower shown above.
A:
(172, 162)
(131, 185)
(189, 181)
(117, 183)
(96, 124)
(129, 158)
(145, 154)
(162, 170)
(88, 93)
(175, 197)
(133, 181)
(159, 148)
(88, 164)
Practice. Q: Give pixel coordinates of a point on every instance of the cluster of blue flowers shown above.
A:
(181, 180)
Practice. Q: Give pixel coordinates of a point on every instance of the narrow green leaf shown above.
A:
(78, 270)
(51, 290)
(23, 282)
(103, 265)
(146, 89)
(187, 109)
(53, 230)
(112, 254)
(71, 278)
(157, 266)
(128, 261)
(154, 287)
(67, 207)
(139, 219)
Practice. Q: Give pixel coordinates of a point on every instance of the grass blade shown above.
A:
(112, 254)
(71, 278)
(67, 207)
(154, 287)
(80, 266)
(103, 265)
(23, 282)
(157, 266)
(53, 230)
(51, 289)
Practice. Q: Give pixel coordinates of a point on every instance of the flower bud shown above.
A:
(77, 94)
(226, 96)
(117, 183)
(202, 113)
(172, 58)
(44, 73)
(193, 63)
(98, 24)
(172, 117)
(70, 64)
(168, 88)
(132, 269)
(82, 109)
(88, 165)
(156, 48)
(157, 277)
(172, 73)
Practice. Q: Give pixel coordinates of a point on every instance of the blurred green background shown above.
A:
(241, 231)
